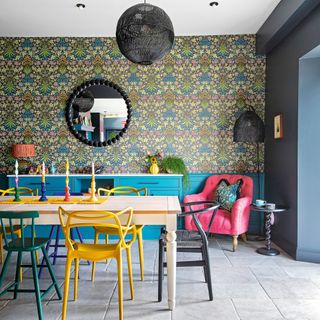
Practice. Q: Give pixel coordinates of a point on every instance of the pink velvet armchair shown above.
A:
(232, 223)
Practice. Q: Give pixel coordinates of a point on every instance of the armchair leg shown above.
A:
(244, 237)
(234, 243)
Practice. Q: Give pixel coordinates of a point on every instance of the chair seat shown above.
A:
(95, 252)
(186, 239)
(113, 230)
(16, 244)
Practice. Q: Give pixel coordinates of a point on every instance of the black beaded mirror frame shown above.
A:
(78, 91)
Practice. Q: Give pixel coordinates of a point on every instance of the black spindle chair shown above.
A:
(190, 241)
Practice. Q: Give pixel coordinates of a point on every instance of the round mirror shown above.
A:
(98, 113)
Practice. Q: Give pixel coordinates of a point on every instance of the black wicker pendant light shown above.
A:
(249, 127)
(144, 34)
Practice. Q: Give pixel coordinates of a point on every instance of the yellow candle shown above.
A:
(67, 172)
(43, 172)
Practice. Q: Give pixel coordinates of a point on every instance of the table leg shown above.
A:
(171, 236)
(267, 250)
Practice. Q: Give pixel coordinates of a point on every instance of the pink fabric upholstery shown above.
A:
(232, 223)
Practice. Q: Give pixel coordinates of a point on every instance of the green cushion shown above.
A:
(227, 194)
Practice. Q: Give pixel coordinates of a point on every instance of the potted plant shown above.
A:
(171, 164)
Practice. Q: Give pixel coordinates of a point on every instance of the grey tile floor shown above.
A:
(246, 286)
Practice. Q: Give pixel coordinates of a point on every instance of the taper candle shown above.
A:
(16, 173)
(43, 172)
(92, 169)
(67, 172)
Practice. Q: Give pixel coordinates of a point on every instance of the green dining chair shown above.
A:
(20, 245)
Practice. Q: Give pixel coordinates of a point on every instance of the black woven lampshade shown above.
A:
(249, 127)
(144, 34)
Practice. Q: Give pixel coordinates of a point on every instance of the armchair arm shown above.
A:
(194, 197)
(240, 214)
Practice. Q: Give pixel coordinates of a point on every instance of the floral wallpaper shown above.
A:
(185, 105)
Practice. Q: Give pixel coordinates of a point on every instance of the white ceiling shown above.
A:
(42, 18)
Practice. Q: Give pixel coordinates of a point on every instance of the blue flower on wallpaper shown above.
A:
(169, 78)
(62, 79)
(62, 43)
(97, 43)
(205, 113)
(205, 149)
(63, 149)
(205, 77)
(27, 114)
(240, 77)
(240, 41)
(134, 149)
(27, 44)
(169, 114)
(169, 149)
(133, 78)
(240, 148)
(61, 113)
(27, 79)
(204, 42)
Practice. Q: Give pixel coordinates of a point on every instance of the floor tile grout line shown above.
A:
(266, 292)
(109, 303)
(235, 309)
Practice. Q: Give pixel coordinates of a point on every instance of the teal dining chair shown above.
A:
(20, 245)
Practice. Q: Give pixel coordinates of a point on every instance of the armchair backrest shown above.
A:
(213, 181)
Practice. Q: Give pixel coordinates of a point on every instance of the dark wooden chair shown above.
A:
(190, 241)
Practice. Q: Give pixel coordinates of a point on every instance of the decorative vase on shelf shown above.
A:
(154, 169)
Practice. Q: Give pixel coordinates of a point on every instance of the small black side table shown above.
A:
(267, 250)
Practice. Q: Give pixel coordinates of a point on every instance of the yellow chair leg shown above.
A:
(129, 260)
(140, 244)
(120, 287)
(66, 288)
(76, 277)
(93, 269)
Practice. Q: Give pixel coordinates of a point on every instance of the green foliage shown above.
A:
(176, 165)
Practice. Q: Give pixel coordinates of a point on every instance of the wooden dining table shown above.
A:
(148, 210)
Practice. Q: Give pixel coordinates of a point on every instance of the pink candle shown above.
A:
(16, 173)
(43, 172)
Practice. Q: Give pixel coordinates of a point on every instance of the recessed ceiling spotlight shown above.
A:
(214, 3)
(80, 6)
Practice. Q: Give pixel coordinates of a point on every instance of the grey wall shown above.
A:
(308, 164)
(282, 97)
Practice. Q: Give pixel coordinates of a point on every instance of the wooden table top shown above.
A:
(140, 205)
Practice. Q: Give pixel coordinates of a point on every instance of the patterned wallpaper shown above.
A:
(185, 105)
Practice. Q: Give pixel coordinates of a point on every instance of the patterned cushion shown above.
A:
(227, 194)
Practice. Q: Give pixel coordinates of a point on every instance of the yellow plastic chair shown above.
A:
(123, 190)
(97, 252)
(17, 228)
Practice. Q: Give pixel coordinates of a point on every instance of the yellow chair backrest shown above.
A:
(22, 191)
(97, 218)
(123, 190)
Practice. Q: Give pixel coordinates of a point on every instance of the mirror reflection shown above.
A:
(99, 113)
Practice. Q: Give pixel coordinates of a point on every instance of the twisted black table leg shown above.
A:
(267, 250)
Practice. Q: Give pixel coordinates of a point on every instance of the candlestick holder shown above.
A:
(67, 194)
(93, 197)
(16, 195)
(43, 192)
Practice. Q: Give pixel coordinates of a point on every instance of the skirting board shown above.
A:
(308, 255)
